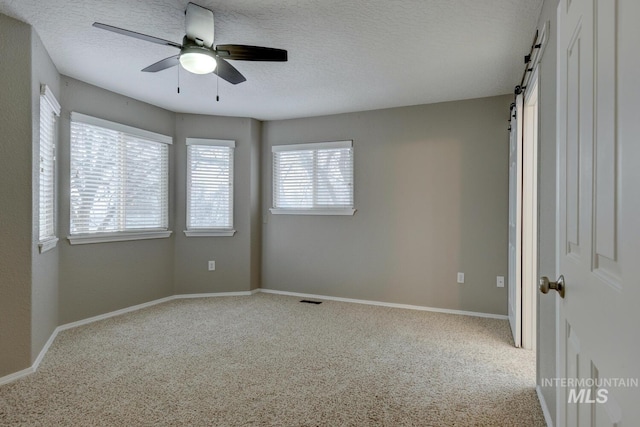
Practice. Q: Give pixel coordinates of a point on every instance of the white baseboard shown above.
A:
(12, 377)
(213, 295)
(17, 375)
(114, 313)
(545, 408)
(150, 304)
(386, 304)
(30, 370)
(45, 348)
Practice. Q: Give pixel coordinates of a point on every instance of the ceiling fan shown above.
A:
(197, 53)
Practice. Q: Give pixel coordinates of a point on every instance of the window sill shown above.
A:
(341, 211)
(47, 245)
(209, 233)
(85, 239)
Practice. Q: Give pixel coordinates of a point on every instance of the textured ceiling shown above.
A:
(344, 55)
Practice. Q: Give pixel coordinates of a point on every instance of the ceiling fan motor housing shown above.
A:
(199, 25)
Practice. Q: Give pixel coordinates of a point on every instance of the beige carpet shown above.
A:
(270, 360)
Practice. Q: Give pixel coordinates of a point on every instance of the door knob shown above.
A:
(559, 286)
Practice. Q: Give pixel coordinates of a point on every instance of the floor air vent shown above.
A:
(311, 302)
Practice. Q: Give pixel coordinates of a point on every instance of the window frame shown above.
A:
(314, 147)
(132, 234)
(213, 231)
(48, 101)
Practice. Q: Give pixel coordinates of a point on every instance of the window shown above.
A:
(119, 182)
(313, 179)
(49, 111)
(209, 187)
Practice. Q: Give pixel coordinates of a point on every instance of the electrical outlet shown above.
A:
(212, 265)
(460, 277)
(500, 281)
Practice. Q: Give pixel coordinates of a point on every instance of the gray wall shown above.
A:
(44, 282)
(99, 278)
(546, 338)
(256, 205)
(234, 256)
(431, 193)
(15, 196)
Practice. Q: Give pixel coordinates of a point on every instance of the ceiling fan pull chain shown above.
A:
(217, 87)
(178, 78)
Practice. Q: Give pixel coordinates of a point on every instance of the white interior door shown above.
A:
(598, 212)
(515, 218)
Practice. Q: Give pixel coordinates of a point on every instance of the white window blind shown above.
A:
(209, 186)
(119, 177)
(49, 111)
(313, 178)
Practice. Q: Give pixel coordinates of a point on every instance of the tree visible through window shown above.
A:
(119, 177)
(316, 177)
(49, 112)
(209, 184)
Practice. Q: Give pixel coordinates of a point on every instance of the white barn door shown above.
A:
(515, 222)
(598, 212)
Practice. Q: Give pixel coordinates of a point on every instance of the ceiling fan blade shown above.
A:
(228, 72)
(169, 62)
(136, 35)
(241, 52)
(199, 24)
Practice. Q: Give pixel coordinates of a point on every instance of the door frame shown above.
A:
(529, 223)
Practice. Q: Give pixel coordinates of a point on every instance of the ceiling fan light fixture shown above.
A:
(198, 60)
